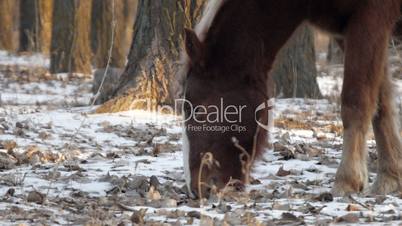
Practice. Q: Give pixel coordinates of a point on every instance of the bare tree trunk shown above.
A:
(111, 18)
(130, 14)
(36, 25)
(70, 48)
(335, 53)
(295, 70)
(152, 61)
(9, 23)
(107, 15)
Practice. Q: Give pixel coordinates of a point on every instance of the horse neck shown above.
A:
(248, 34)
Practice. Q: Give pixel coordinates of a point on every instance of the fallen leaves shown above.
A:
(7, 161)
(194, 214)
(36, 197)
(348, 218)
(302, 152)
(325, 197)
(289, 218)
(291, 123)
(34, 155)
(307, 147)
(138, 216)
(10, 192)
(8, 145)
(283, 173)
(153, 194)
(353, 208)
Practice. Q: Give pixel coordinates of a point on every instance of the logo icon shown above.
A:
(266, 106)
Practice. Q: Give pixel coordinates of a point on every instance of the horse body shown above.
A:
(231, 55)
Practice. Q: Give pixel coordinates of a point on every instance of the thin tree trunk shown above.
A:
(335, 53)
(130, 15)
(111, 18)
(154, 53)
(70, 48)
(9, 23)
(36, 25)
(295, 70)
(104, 20)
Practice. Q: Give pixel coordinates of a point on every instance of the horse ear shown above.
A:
(194, 46)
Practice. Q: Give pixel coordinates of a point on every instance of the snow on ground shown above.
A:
(61, 164)
(31, 60)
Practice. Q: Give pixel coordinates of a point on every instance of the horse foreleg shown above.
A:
(365, 58)
(386, 130)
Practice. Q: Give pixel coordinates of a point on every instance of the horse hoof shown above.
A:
(386, 184)
(350, 180)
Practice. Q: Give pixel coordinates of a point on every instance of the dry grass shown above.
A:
(246, 159)
(292, 123)
(206, 161)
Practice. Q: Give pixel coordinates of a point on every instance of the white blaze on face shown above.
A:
(186, 159)
(212, 8)
(271, 121)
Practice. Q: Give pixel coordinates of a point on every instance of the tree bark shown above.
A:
(111, 20)
(70, 48)
(36, 25)
(155, 51)
(295, 71)
(9, 23)
(106, 16)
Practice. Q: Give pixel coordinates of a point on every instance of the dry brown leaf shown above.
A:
(353, 207)
(283, 173)
(153, 194)
(138, 216)
(9, 145)
(36, 197)
(348, 218)
(325, 197)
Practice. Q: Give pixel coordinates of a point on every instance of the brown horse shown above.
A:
(229, 56)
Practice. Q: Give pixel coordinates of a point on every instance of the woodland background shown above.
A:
(139, 43)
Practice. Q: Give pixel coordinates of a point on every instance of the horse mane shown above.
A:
(210, 11)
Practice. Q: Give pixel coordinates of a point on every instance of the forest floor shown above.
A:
(60, 164)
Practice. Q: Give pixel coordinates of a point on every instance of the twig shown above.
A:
(124, 207)
(207, 160)
(110, 54)
(359, 203)
(248, 163)
(244, 163)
